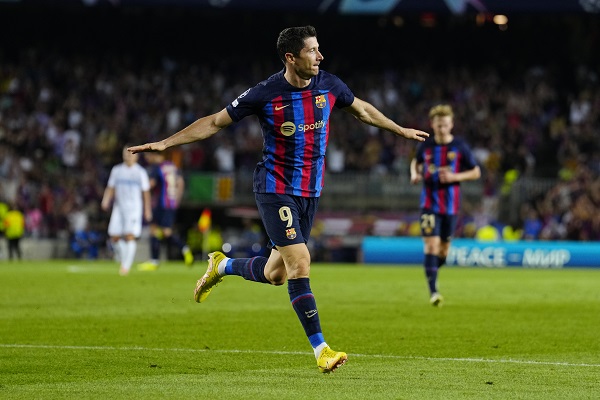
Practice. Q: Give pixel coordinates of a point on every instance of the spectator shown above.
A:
(520, 119)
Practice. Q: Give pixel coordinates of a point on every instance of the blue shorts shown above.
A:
(441, 225)
(287, 219)
(163, 217)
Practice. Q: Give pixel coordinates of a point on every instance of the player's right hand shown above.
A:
(414, 134)
(416, 178)
(154, 146)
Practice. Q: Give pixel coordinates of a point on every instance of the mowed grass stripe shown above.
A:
(234, 351)
(502, 334)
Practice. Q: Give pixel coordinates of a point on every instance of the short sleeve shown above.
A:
(344, 96)
(111, 178)
(244, 105)
(470, 161)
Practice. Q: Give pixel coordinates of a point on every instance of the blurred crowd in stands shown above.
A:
(65, 117)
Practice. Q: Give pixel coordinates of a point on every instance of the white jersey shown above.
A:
(129, 182)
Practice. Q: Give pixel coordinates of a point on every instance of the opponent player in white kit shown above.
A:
(129, 185)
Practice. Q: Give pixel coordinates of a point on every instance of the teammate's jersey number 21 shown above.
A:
(427, 221)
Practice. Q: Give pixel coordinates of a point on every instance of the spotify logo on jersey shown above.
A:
(288, 128)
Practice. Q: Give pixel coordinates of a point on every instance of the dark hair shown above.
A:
(291, 40)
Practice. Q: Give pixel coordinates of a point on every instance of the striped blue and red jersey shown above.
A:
(164, 192)
(295, 127)
(437, 197)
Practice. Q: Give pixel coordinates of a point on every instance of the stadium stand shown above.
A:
(65, 113)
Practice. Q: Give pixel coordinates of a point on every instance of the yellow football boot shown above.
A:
(210, 279)
(147, 266)
(329, 360)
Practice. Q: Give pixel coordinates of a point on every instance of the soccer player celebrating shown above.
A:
(293, 107)
(129, 186)
(441, 163)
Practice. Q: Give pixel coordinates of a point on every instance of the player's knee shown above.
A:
(431, 247)
(277, 278)
(432, 250)
(278, 282)
(299, 270)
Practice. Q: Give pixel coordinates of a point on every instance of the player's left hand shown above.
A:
(446, 176)
(414, 134)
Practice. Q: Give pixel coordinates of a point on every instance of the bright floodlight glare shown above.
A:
(500, 19)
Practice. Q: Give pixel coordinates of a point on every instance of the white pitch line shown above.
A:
(80, 269)
(479, 360)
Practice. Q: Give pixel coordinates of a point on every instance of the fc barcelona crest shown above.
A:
(320, 101)
(451, 155)
(290, 233)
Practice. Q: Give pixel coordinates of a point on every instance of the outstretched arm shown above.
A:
(199, 130)
(368, 114)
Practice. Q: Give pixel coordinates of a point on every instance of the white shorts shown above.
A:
(124, 223)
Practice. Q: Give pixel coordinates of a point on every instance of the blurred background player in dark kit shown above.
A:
(441, 163)
(167, 186)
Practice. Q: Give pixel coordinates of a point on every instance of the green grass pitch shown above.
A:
(78, 330)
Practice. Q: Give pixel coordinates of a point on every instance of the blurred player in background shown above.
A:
(293, 107)
(129, 187)
(441, 162)
(14, 229)
(167, 187)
